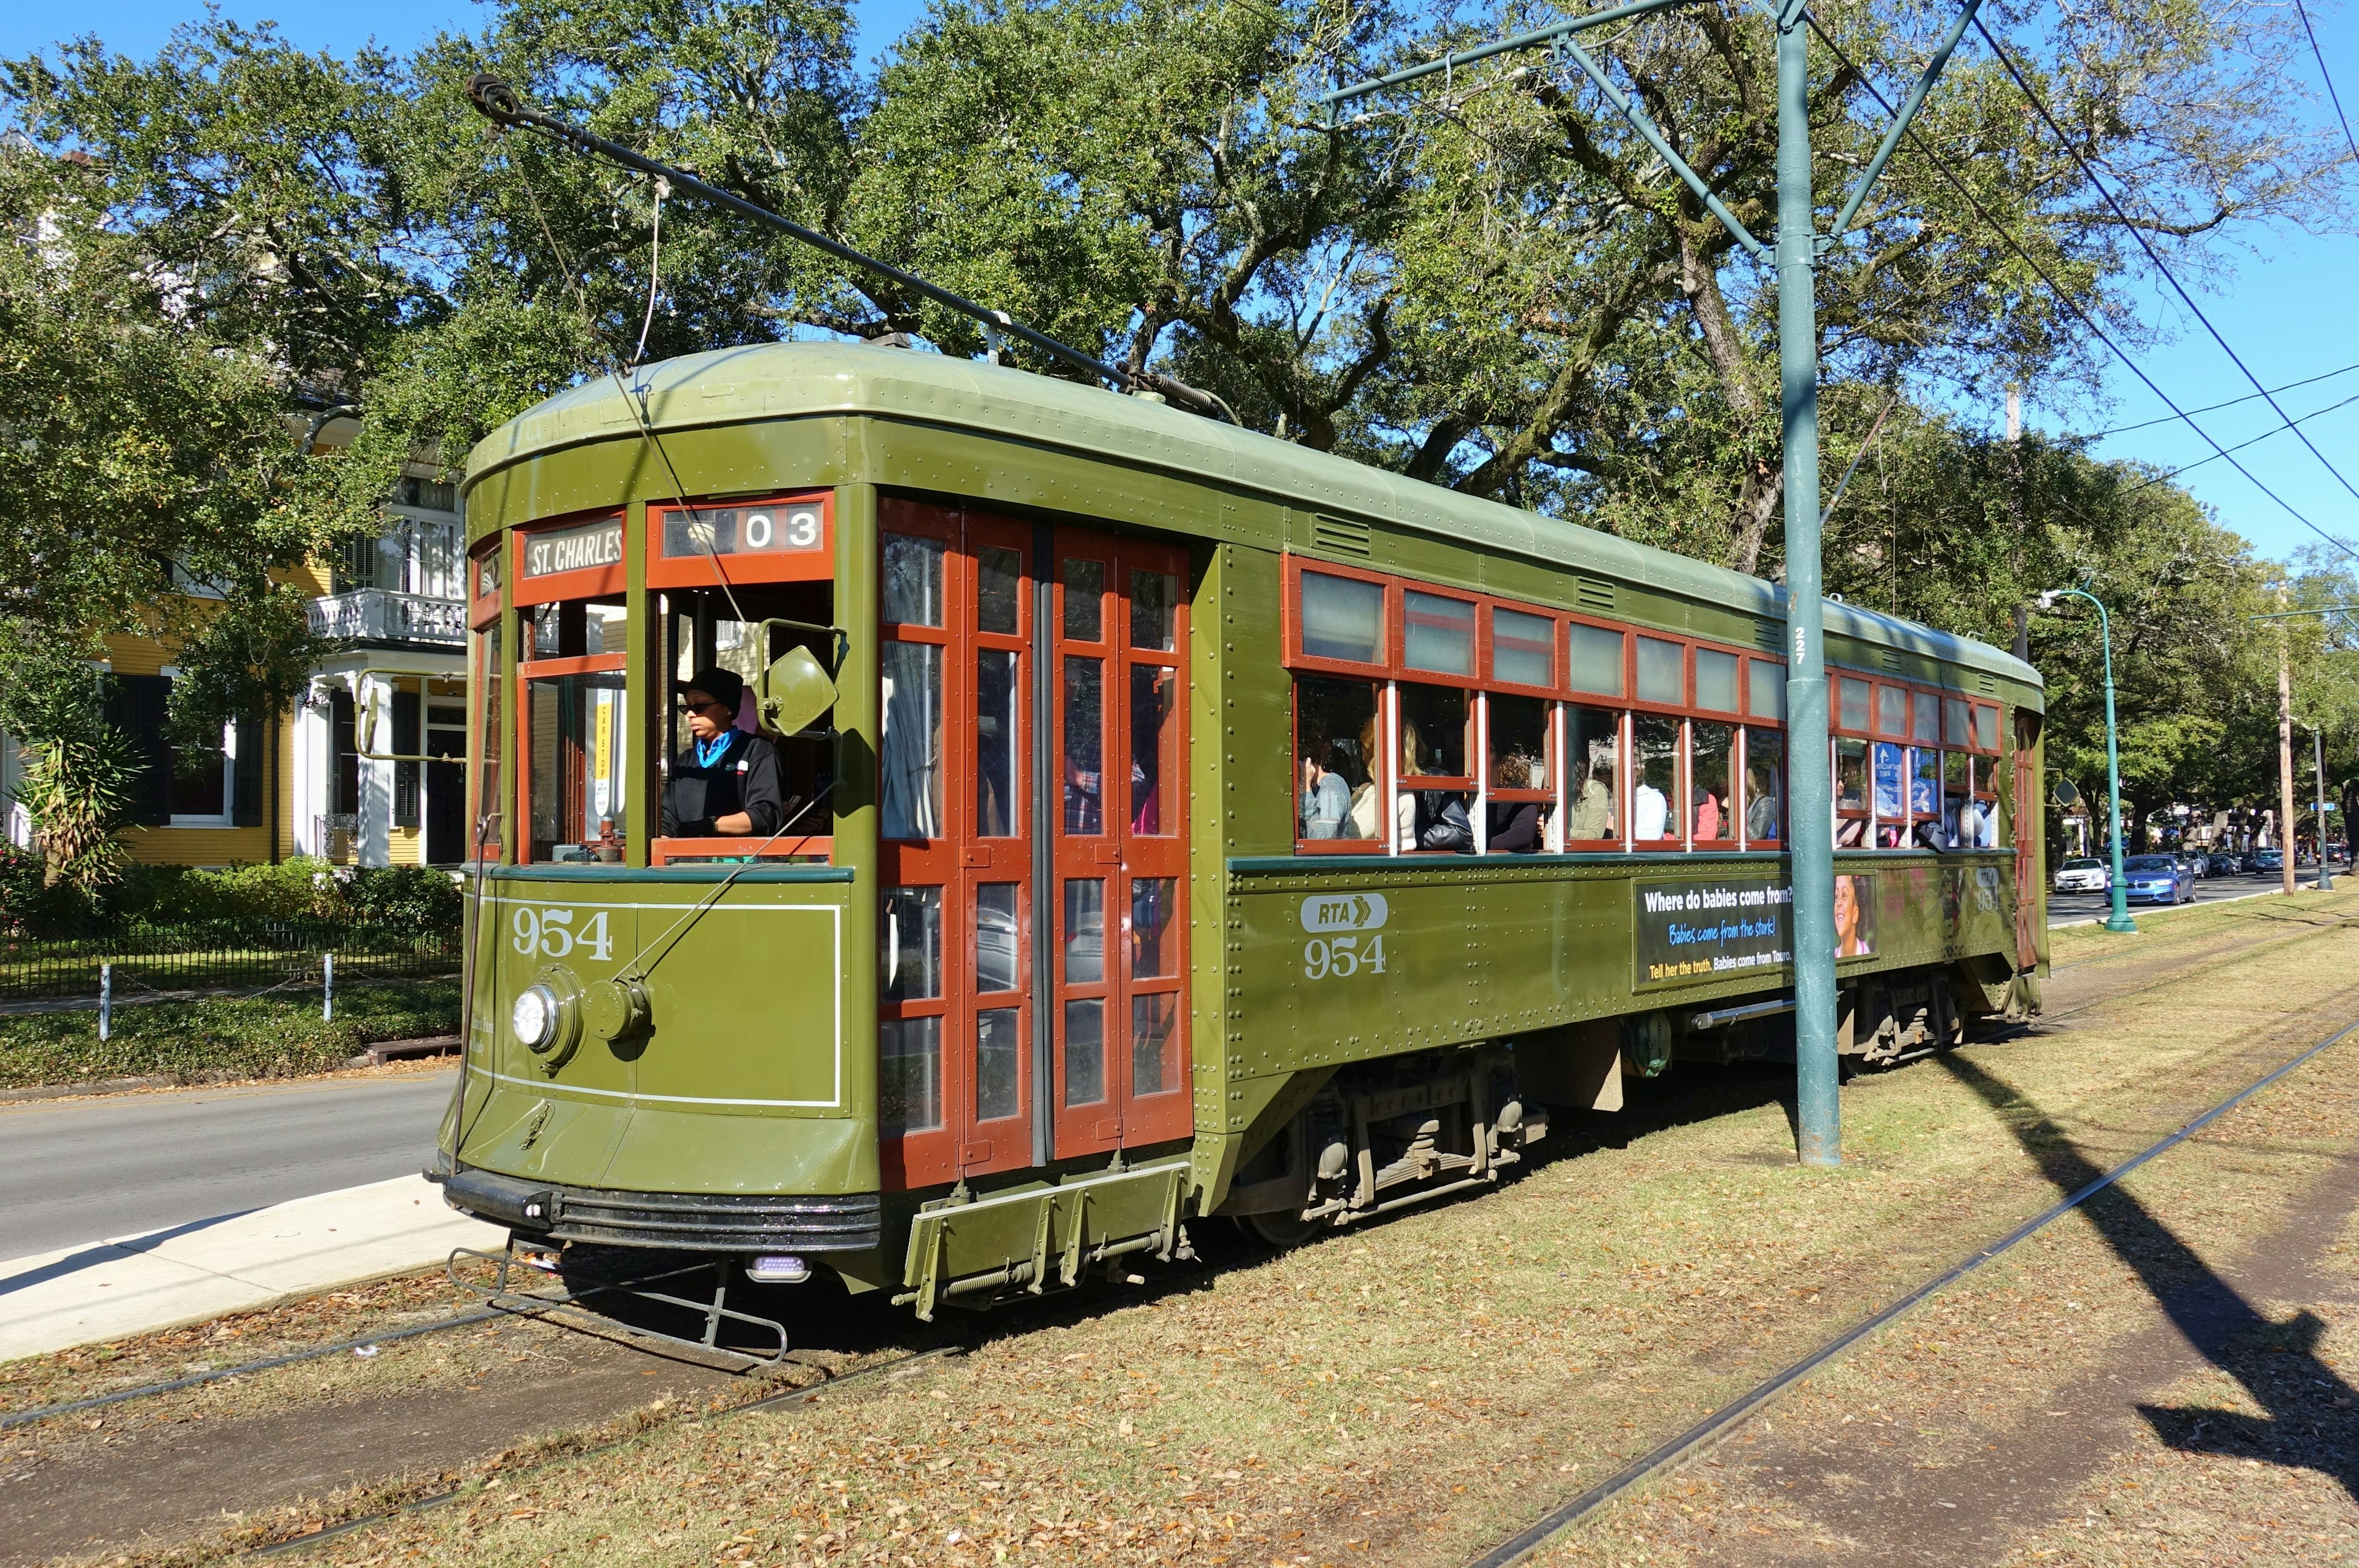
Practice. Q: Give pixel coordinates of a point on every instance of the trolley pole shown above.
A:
(1810, 819)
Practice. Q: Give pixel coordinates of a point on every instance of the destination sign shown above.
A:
(787, 528)
(580, 548)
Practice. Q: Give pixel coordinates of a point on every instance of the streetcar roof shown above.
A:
(780, 381)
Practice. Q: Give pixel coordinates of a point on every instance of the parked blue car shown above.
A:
(2158, 879)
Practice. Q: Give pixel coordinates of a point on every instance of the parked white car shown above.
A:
(2081, 876)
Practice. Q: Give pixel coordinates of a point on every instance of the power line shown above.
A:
(2151, 254)
(1942, 166)
(2215, 407)
(2332, 97)
(2255, 441)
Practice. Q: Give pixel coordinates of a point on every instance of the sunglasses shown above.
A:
(688, 706)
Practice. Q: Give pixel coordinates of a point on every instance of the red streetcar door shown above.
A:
(955, 1079)
(1119, 837)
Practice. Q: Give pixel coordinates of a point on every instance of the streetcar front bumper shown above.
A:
(703, 1222)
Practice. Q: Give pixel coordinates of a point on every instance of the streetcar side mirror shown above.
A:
(795, 691)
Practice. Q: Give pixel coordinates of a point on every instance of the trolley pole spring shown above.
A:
(105, 1000)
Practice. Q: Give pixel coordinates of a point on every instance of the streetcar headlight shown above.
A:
(534, 1018)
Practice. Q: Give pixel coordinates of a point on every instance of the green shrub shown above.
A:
(413, 896)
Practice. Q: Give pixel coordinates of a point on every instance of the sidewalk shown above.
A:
(139, 1283)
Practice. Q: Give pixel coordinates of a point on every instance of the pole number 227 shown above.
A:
(551, 932)
(1342, 956)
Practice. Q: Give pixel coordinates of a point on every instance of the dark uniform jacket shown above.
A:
(743, 778)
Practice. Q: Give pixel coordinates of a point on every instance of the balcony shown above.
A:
(381, 615)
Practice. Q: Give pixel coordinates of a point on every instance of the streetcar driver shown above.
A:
(725, 781)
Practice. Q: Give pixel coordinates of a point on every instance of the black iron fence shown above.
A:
(221, 954)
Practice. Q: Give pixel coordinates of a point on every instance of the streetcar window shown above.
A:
(1891, 710)
(1715, 681)
(909, 747)
(1890, 782)
(913, 581)
(1438, 633)
(1711, 803)
(1928, 716)
(1985, 726)
(1596, 663)
(577, 628)
(1343, 618)
(1956, 822)
(1518, 803)
(909, 1074)
(490, 807)
(912, 959)
(1765, 784)
(1767, 691)
(577, 727)
(1656, 744)
(1084, 743)
(1434, 725)
(1153, 598)
(1523, 648)
(1155, 806)
(998, 589)
(1851, 776)
(1336, 728)
(1662, 671)
(736, 629)
(1956, 733)
(1925, 796)
(1853, 697)
(1593, 740)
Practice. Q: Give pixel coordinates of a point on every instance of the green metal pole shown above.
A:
(2120, 919)
(1809, 826)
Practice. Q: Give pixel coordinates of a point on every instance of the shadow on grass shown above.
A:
(2310, 1421)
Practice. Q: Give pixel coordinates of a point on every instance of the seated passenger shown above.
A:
(1710, 814)
(1515, 824)
(726, 784)
(1326, 799)
(1592, 813)
(1763, 809)
(1650, 814)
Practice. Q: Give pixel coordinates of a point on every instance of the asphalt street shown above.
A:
(2070, 908)
(85, 1169)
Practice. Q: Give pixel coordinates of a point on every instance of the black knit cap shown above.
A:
(723, 686)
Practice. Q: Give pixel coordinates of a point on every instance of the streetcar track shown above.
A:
(1729, 1416)
(828, 1383)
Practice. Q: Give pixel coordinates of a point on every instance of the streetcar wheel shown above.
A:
(1282, 1231)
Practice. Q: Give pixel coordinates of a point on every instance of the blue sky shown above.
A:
(2284, 302)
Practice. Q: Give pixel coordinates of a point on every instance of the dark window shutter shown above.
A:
(253, 765)
(346, 769)
(134, 705)
(407, 741)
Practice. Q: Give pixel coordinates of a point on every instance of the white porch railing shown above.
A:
(380, 614)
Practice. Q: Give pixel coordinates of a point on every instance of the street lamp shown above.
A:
(2119, 920)
(2317, 743)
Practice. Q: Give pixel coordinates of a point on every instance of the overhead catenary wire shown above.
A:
(2323, 75)
(2254, 441)
(1942, 166)
(2022, 84)
(2215, 407)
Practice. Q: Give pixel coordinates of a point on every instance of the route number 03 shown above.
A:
(550, 932)
(1342, 956)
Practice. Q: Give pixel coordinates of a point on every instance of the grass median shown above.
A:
(210, 1037)
(1410, 1392)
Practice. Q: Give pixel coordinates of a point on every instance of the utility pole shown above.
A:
(2285, 750)
(1809, 819)
(2317, 745)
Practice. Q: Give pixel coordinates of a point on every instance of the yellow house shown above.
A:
(323, 783)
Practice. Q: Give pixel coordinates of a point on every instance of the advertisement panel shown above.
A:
(1707, 929)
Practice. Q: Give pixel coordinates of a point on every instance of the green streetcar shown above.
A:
(1179, 824)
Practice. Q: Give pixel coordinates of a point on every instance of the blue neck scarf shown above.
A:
(710, 752)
